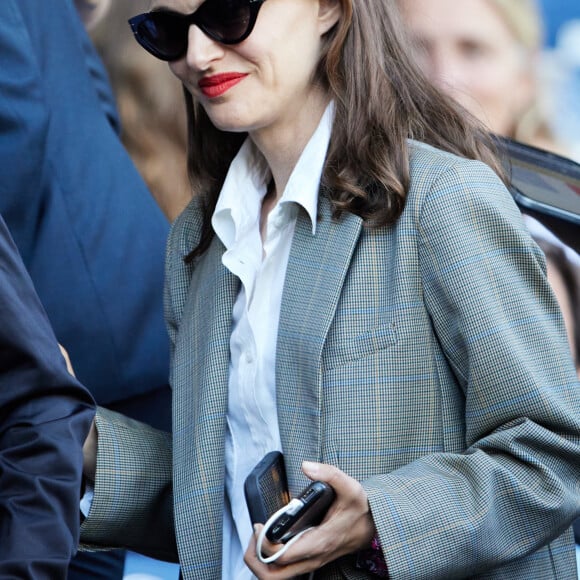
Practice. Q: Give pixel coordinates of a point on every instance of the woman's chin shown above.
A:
(231, 127)
(225, 118)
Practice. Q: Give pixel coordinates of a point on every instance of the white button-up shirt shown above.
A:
(252, 417)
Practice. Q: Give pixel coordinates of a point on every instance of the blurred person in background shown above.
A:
(485, 54)
(89, 232)
(151, 107)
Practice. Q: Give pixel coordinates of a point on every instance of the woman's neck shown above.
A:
(282, 144)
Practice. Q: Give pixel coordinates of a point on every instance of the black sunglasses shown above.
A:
(164, 33)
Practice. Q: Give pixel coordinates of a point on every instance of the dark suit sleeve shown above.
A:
(44, 417)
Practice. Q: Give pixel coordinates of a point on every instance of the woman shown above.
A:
(368, 304)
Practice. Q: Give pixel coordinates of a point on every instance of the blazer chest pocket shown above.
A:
(344, 349)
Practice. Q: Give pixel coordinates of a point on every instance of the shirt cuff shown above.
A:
(87, 499)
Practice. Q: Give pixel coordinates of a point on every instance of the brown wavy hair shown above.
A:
(381, 100)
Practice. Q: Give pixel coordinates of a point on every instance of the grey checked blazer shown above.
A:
(427, 359)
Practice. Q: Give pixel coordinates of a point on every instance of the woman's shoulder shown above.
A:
(185, 231)
(433, 168)
(440, 180)
(425, 157)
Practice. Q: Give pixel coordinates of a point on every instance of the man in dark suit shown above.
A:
(44, 418)
(88, 230)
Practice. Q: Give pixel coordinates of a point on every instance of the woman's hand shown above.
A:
(90, 453)
(90, 444)
(347, 528)
(64, 353)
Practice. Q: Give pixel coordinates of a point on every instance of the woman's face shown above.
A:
(468, 51)
(264, 82)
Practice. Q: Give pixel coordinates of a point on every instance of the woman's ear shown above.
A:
(329, 13)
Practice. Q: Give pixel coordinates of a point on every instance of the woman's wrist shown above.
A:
(90, 453)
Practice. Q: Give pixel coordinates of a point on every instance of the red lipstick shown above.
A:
(216, 85)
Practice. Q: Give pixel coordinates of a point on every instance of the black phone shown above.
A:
(266, 491)
(304, 511)
(266, 488)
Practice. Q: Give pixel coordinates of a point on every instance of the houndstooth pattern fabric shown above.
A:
(427, 359)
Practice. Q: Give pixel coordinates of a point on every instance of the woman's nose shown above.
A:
(201, 49)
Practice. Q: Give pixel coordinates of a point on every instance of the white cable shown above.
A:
(285, 547)
(262, 536)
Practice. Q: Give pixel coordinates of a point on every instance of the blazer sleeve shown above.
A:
(132, 506)
(515, 488)
(45, 415)
(133, 499)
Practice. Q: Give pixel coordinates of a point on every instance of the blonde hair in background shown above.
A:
(524, 19)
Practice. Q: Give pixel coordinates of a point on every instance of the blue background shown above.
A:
(555, 13)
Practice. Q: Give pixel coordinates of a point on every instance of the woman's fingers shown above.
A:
(347, 528)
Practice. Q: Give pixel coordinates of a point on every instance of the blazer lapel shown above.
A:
(316, 271)
(315, 275)
(200, 407)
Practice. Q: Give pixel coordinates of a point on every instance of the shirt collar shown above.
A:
(246, 174)
(304, 182)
